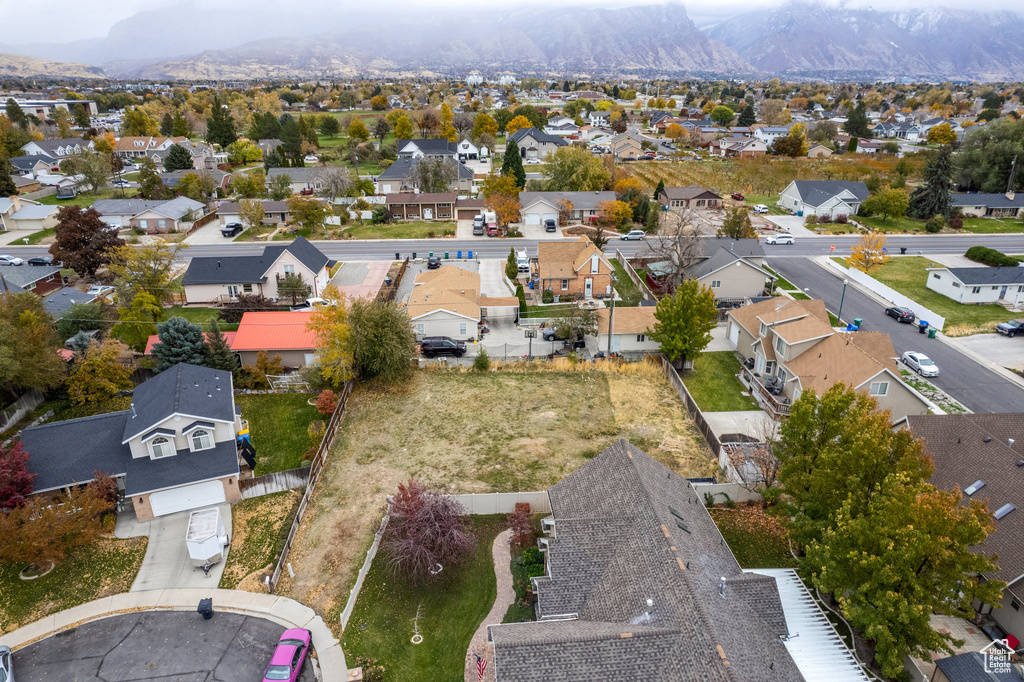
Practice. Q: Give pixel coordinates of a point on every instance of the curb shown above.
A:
(281, 610)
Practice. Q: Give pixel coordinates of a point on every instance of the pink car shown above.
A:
(290, 654)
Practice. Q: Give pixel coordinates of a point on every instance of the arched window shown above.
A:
(201, 440)
(161, 447)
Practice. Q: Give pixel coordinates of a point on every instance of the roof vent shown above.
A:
(1009, 442)
(987, 439)
(974, 487)
(650, 605)
(721, 588)
(1003, 511)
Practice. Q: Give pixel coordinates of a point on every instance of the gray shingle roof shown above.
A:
(688, 192)
(721, 258)
(173, 208)
(404, 166)
(817, 192)
(34, 212)
(60, 301)
(982, 199)
(747, 248)
(269, 206)
(617, 544)
(581, 201)
(28, 162)
(539, 136)
(68, 451)
(182, 389)
(251, 269)
(987, 275)
(970, 667)
(145, 474)
(436, 147)
(22, 275)
(307, 175)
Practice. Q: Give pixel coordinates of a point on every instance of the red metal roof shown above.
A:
(154, 339)
(274, 331)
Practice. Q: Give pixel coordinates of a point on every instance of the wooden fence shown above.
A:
(691, 405)
(205, 220)
(277, 482)
(317, 467)
(20, 407)
(645, 290)
(388, 293)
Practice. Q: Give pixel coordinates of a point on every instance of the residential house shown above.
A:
(536, 207)
(40, 280)
(823, 197)
(975, 286)
(60, 301)
(17, 213)
(626, 147)
(417, 149)
(793, 348)
(302, 180)
(534, 144)
(639, 585)
(982, 455)
(738, 146)
(220, 279)
(134, 147)
(689, 197)
(173, 450)
(706, 131)
(32, 165)
(274, 212)
(203, 156)
(599, 119)
(57, 148)
(818, 151)
(465, 149)
(467, 209)
(983, 205)
(561, 126)
(171, 178)
(574, 268)
(630, 329)
(284, 334)
(152, 216)
(415, 206)
(447, 302)
(973, 666)
(400, 176)
(733, 269)
(25, 185)
(269, 146)
(768, 134)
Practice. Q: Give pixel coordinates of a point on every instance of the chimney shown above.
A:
(1010, 195)
(16, 203)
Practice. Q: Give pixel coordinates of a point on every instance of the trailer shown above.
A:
(206, 538)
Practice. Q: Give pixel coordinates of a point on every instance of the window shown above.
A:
(593, 264)
(956, 285)
(462, 328)
(201, 440)
(161, 447)
(783, 377)
(780, 345)
(565, 285)
(640, 338)
(975, 290)
(419, 328)
(247, 288)
(1015, 605)
(143, 224)
(764, 329)
(974, 487)
(289, 269)
(161, 224)
(879, 388)
(1003, 511)
(233, 290)
(716, 283)
(768, 367)
(936, 275)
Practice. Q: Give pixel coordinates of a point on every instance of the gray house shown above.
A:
(400, 176)
(824, 197)
(536, 207)
(534, 144)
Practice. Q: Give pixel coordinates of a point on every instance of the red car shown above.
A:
(290, 654)
(738, 196)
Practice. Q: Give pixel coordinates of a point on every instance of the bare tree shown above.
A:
(463, 123)
(435, 174)
(335, 181)
(756, 463)
(679, 244)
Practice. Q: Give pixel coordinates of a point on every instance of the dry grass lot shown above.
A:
(509, 430)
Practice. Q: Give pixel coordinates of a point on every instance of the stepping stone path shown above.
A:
(479, 646)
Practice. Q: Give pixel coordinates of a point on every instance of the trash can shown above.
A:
(800, 214)
(531, 285)
(398, 256)
(903, 250)
(459, 254)
(922, 327)
(414, 255)
(470, 255)
(931, 333)
(205, 608)
(857, 322)
(430, 254)
(446, 255)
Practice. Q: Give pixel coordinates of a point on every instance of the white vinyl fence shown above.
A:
(735, 491)
(890, 294)
(504, 503)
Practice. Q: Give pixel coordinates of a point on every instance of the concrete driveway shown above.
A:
(167, 564)
(156, 646)
(492, 278)
(361, 279)
(464, 230)
(792, 224)
(209, 234)
(994, 348)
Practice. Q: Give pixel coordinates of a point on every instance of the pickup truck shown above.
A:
(311, 304)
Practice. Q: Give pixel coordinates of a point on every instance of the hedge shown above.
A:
(987, 256)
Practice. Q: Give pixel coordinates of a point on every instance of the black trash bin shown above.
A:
(922, 327)
(206, 608)
(903, 250)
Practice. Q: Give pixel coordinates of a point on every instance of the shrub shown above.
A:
(548, 296)
(532, 557)
(521, 524)
(956, 222)
(935, 224)
(316, 430)
(326, 402)
(842, 219)
(521, 295)
(987, 256)
(811, 219)
(109, 521)
(482, 362)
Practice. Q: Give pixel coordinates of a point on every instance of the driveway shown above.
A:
(158, 646)
(792, 224)
(993, 348)
(361, 279)
(167, 564)
(464, 230)
(209, 234)
(492, 278)
(538, 232)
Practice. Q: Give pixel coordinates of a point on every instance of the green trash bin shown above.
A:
(931, 332)
(446, 255)
(857, 322)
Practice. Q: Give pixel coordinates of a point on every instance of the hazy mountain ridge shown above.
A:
(21, 66)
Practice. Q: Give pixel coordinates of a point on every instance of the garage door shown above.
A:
(468, 213)
(186, 497)
(734, 333)
(533, 218)
(549, 216)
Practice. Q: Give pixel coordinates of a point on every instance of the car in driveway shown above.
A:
(646, 157)
(231, 229)
(6, 666)
(738, 197)
(10, 260)
(782, 238)
(289, 656)
(550, 225)
(432, 346)
(901, 314)
(533, 162)
(1011, 328)
(100, 290)
(634, 234)
(433, 263)
(760, 208)
(920, 363)
(478, 224)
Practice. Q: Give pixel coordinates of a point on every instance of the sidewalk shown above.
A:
(479, 646)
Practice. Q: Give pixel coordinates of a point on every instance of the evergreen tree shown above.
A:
(220, 355)
(661, 186)
(16, 114)
(512, 165)
(747, 116)
(178, 158)
(167, 124)
(220, 127)
(264, 127)
(7, 187)
(512, 265)
(932, 197)
(291, 137)
(180, 126)
(81, 116)
(857, 122)
(180, 341)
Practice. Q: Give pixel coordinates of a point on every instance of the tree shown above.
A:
(245, 303)
(575, 321)
(722, 115)
(147, 268)
(16, 114)
(932, 198)
(137, 123)
(941, 134)
(81, 317)
(788, 145)
(330, 325)
(426, 534)
(747, 116)
(294, 287)
(888, 202)
(737, 225)
(28, 345)
(501, 195)
(219, 355)
(180, 126)
(150, 184)
(308, 212)
(15, 479)
(403, 128)
(659, 188)
(382, 340)
(673, 131)
(381, 128)
(95, 167)
(512, 164)
(252, 213)
(249, 184)
(180, 341)
(484, 124)
(774, 112)
(98, 375)
(178, 158)
(615, 213)
(435, 173)
(242, 151)
(517, 123)
(220, 127)
(357, 130)
(378, 102)
(857, 122)
(329, 125)
(137, 323)
(684, 321)
(338, 182)
(447, 123)
(279, 187)
(574, 169)
(197, 186)
(7, 187)
(255, 376)
(81, 116)
(565, 209)
(512, 264)
(617, 122)
(83, 242)
(869, 253)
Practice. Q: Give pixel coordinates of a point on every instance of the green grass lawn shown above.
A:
(278, 424)
(450, 611)
(37, 237)
(258, 526)
(414, 229)
(841, 261)
(542, 311)
(976, 225)
(624, 285)
(757, 539)
(713, 383)
(908, 275)
(768, 200)
(780, 281)
(103, 568)
(200, 316)
(85, 200)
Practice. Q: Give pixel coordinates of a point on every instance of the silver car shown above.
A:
(6, 666)
(634, 234)
(920, 363)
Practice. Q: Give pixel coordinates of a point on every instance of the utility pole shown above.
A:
(1013, 175)
(611, 322)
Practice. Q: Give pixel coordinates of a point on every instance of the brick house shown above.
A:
(574, 269)
(412, 206)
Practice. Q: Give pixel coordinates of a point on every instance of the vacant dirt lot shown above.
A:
(501, 431)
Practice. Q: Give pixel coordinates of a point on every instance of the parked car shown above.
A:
(551, 334)
(1011, 328)
(100, 290)
(901, 314)
(231, 229)
(10, 260)
(432, 346)
(533, 162)
(781, 238)
(550, 225)
(6, 666)
(669, 145)
(312, 304)
(760, 208)
(433, 263)
(738, 197)
(920, 363)
(478, 224)
(634, 234)
(289, 656)
(40, 260)
(645, 157)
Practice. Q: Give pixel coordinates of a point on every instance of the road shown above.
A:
(977, 387)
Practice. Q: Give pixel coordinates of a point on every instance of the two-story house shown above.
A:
(574, 268)
(172, 450)
(220, 279)
(57, 148)
(533, 144)
(402, 176)
(790, 347)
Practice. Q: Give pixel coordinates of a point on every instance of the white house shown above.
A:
(58, 148)
(561, 125)
(978, 285)
(536, 207)
(630, 330)
(447, 302)
(768, 134)
(824, 197)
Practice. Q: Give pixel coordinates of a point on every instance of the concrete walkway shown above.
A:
(361, 279)
(479, 646)
(15, 236)
(167, 564)
(719, 340)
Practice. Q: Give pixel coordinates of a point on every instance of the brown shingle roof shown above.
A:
(688, 192)
(804, 329)
(850, 358)
(562, 259)
(447, 288)
(776, 309)
(638, 320)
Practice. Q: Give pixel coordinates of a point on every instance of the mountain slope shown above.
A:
(20, 66)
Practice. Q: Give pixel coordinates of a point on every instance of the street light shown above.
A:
(840, 315)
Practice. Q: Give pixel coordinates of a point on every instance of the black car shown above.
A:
(433, 263)
(432, 346)
(551, 334)
(550, 225)
(1011, 328)
(231, 229)
(41, 260)
(901, 314)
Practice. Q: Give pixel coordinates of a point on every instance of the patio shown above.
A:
(767, 391)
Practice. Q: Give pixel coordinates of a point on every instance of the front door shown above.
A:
(232, 291)
(588, 290)
(428, 214)
(1002, 293)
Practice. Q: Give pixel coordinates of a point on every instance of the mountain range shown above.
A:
(797, 39)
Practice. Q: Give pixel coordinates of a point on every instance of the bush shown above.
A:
(811, 219)
(482, 362)
(987, 256)
(316, 430)
(548, 296)
(326, 402)
(842, 219)
(935, 224)
(109, 521)
(532, 556)
(956, 222)
(521, 295)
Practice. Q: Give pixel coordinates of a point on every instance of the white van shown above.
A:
(523, 260)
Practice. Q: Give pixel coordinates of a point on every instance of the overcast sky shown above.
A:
(60, 21)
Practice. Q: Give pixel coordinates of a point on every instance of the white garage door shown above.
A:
(734, 333)
(533, 218)
(187, 497)
(549, 216)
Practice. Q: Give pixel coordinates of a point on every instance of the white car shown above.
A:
(920, 363)
(10, 260)
(634, 234)
(100, 290)
(760, 208)
(783, 238)
(533, 161)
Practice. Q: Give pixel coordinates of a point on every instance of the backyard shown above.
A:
(713, 383)
(85, 199)
(258, 526)
(278, 425)
(757, 539)
(201, 316)
(446, 613)
(506, 430)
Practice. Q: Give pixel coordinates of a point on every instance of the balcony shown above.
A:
(765, 392)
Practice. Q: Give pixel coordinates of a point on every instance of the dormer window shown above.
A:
(200, 440)
(161, 446)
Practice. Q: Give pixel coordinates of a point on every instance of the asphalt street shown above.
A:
(977, 387)
(156, 646)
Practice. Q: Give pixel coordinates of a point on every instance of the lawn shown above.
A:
(258, 526)
(103, 568)
(908, 275)
(757, 539)
(518, 429)
(450, 610)
(768, 200)
(278, 424)
(37, 237)
(799, 295)
(713, 383)
(780, 281)
(977, 225)
(415, 229)
(84, 200)
(624, 285)
(201, 316)
(545, 311)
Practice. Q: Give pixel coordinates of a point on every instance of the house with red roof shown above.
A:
(285, 334)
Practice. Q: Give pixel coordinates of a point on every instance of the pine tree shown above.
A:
(857, 122)
(81, 116)
(180, 341)
(178, 158)
(167, 124)
(512, 166)
(932, 198)
(661, 186)
(511, 265)
(220, 355)
(747, 116)
(220, 127)
(7, 187)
